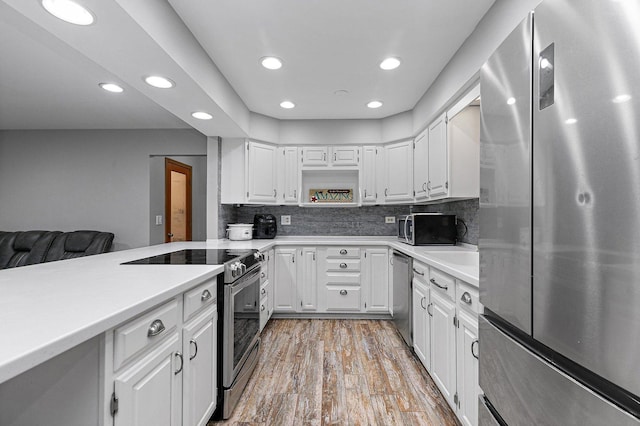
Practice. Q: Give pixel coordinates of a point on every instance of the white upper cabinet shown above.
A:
(261, 173)
(345, 155)
(369, 174)
(438, 183)
(332, 156)
(420, 166)
(288, 179)
(314, 155)
(399, 172)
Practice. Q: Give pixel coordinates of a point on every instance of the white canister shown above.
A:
(240, 231)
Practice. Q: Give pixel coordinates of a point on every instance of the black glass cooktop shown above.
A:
(193, 257)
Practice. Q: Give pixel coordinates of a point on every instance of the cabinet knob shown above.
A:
(155, 328)
(343, 265)
(206, 295)
(262, 307)
(343, 252)
(466, 298)
(262, 275)
(343, 292)
(263, 291)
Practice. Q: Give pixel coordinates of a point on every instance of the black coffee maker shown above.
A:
(264, 226)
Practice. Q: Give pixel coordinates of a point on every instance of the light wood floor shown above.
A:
(338, 372)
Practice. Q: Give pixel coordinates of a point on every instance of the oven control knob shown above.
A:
(259, 257)
(242, 267)
(235, 269)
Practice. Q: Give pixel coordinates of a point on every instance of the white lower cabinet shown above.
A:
(375, 280)
(150, 391)
(443, 344)
(199, 369)
(307, 279)
(161, 370)
(285, 280)
(421, 323)
(467, 369)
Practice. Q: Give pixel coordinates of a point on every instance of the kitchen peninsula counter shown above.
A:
(49, 308)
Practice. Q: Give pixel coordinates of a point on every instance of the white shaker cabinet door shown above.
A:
(443, 344)
(150, 391)
(261, 173)
(369, 174)
(376, 279)
(467, 369)
(421, 344)
(438, 160)
(399, 172)
(285, 280)
(307, 279)
(288, 175)
(199, 386)
(421, 166)
(315, 155)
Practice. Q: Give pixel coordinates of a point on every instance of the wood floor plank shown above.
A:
(338, 372)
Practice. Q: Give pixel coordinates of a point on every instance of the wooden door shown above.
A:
(177, 199)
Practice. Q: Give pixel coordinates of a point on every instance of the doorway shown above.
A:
(177, 196)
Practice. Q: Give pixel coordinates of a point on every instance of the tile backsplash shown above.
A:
(350, 221)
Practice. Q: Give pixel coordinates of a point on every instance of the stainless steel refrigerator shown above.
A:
(560, 218)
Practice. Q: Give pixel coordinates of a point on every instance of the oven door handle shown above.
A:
(244, 281)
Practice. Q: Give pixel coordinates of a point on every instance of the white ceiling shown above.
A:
(330, 45)
(211, 49)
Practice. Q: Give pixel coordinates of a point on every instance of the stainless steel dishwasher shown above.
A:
(402, 265)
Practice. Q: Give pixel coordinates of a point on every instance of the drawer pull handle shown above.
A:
(433, 281)
(343, 252)
(155, 328)
(262, 275)
(343, 265)
(193, 341)
(422, 302)
(466, 298)
(474, 353)
(428, 311)
(262, 307)
(418, 272)
(343, 292)
(179, 355)
(263, 291)
(206, 295)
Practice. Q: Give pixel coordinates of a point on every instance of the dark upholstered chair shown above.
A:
(23, 248)
(69, 245)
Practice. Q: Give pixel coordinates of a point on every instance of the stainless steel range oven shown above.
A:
(240, 331)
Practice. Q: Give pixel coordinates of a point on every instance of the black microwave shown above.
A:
(423, 229)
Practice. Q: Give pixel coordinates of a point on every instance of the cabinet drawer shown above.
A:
(199, 297)
(343, 298)
(144, 332)
(420, 271)
(442, 282)
(467, 296)
(346, 278)
(343, 265)
(343, 252)
(265, 290)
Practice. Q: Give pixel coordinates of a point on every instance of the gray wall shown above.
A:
(85, 179)
(199, 196)
(356, 221)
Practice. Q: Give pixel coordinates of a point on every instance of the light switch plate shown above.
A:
(389, 219)
(159, 219)
(285, 220)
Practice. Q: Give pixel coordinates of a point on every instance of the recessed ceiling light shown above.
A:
(111, 87)
(201, 115)
(287, 104)
(68, 11)
(271, 62)
(621, 98)
(159, 82)
(390, 64)
(511, 101)
(571, 121)
(374, 104)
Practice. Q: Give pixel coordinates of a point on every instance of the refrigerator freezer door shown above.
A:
(526, 390)
(505, 180)
(586, 201)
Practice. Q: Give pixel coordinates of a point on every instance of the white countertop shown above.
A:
(49, 308)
